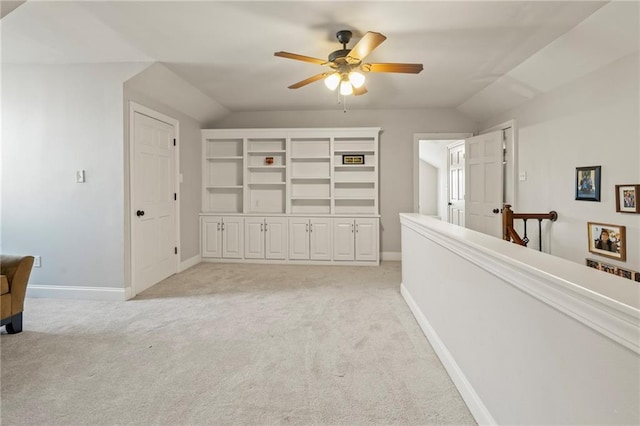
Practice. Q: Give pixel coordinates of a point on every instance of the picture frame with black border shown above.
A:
(587, 184)
(353, 159)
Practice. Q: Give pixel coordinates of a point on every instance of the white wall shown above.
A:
(428, 182)
(57, 119)
(396, 147)
(435, 152)
(591, 121)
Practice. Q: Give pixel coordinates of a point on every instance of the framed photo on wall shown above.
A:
(588, 183)
(607, 240)
(627, 198)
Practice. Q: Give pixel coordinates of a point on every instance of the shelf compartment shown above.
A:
(310, 206)
(223, 200)
(266, 183)
(224, 148)
(259, 159)
(214, 187)
(313, 188)
(346, 190)
(266, 199)
(264, 145)
(350, 206)
(310, 147)
(310, 168)
(267, 175)
(355, 145)
(323, 158)
(225, 173)
(229, 158)
(303, 178)
(351, 175)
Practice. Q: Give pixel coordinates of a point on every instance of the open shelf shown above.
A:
(311, 178)
(355, 166)
(319, 158)
(225, 187)
(266, 183)
(227, 158)
(267, 167)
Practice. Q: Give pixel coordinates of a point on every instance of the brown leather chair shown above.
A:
(15, 272)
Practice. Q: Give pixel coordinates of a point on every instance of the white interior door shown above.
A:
(484, 183)
(456, 183)
(153, 216)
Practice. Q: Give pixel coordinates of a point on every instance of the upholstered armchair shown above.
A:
(15, 272)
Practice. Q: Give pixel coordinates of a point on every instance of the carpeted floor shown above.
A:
(231, 344)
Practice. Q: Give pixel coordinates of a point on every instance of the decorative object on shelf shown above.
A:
(627, 198)
(268, 161)
(588, 183)
(353, 159)
(613, 269)
(607, 240)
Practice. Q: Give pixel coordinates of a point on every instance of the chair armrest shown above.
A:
(17, 269)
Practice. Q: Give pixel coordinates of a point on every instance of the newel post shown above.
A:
(507, 222)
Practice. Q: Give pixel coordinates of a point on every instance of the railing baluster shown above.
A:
(539, 234)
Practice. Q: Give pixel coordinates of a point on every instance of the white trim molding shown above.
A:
(76, 293)
(193, 261)
(468, 393)
(394, 256)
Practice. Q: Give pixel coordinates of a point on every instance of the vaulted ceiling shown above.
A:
(225, 48)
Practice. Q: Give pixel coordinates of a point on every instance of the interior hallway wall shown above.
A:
(57, 119)
(396, 147)
(593, 121)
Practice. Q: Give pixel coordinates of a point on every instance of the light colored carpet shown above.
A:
(231, 344)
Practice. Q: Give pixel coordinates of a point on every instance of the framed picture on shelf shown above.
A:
(588, 183)
(607, 240)
(627, 198)
(353, 159)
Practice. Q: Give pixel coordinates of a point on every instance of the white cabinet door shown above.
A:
(232, 237)
(320, 239)
(366, 239)
(343, 239)
(298, 238)
(211, 236)
(254, 238)
(275, 237)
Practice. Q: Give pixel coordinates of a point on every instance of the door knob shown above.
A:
(140, 213)
(449, 204)
(496, 211)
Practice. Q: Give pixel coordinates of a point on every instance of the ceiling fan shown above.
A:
(347, 65)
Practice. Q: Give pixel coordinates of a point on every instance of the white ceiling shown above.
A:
(225, 48)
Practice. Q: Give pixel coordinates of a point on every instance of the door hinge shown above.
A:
(175, 250)
(174, 142)
(175, 196)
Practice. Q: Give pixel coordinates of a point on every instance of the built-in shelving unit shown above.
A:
(294, 173)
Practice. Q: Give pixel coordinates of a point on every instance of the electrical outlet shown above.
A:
(36, 261)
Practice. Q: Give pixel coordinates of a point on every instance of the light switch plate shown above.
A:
(36, 261)
(523, 176)
(80, 176)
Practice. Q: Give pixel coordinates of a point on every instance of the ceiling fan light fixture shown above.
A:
(332, 81)
(356, 79)
(346, 88)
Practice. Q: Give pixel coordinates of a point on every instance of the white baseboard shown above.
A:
(73, 292)
(468, 393)
(189, 263)
(391, 255)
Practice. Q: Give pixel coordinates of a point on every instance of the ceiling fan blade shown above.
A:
(359, 91)
(393, 67)
(365, 46)
(309, 80)
(300, 57)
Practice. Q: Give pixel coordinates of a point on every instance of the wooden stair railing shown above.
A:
(508, 231)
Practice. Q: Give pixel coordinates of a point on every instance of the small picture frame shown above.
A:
(607, 240)
(588, 183)
(612, 269)
(627, 198)
(353, 159)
